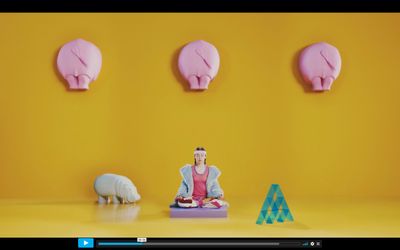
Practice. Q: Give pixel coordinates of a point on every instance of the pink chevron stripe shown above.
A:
(216, 203)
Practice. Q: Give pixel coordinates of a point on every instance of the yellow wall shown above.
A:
(256, 121)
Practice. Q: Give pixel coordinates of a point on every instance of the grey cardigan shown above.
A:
(213, 187)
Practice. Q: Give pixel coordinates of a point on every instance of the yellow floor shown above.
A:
(313, 218)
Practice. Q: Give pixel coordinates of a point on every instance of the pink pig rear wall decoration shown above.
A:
(79, 62)
(199, 63)
(320, 65)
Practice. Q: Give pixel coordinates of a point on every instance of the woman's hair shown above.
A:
(200, 149)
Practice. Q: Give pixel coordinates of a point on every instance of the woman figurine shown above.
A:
(200, 187)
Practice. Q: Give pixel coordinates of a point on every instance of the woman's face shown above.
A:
(200, 157)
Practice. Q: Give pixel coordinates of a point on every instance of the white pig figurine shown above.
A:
(115, 188)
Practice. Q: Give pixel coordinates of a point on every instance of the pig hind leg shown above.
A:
(327, 83)
(84, 81)
(204, 81)
(102, 199)
(316, 84)
(194, 82)
(72, 81)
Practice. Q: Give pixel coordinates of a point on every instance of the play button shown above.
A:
(85, 243)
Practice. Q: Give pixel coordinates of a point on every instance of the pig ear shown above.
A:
(330, 58)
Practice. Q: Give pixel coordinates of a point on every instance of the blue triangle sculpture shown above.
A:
(274, 207)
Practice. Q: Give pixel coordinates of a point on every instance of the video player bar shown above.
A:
(199, 242)
(205, 6)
